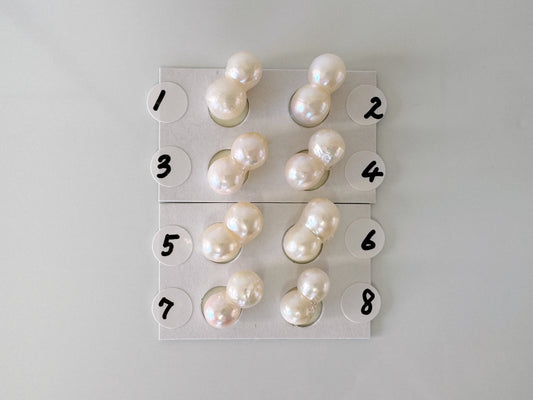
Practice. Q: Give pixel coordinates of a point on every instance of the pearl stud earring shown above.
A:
(306, 170)
(227, 174)
(222, 306)
(226, 97)
(302, 305)
(310, 104)
(303, 241)
(222, 241)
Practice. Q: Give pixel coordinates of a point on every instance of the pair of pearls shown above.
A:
(226, 97)
(222, 241)
(306, 170)
(302, 305)
(227, 174)
(310, 104)
(303, 242)
(222, 306)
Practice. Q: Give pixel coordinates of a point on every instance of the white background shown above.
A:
(79, 206)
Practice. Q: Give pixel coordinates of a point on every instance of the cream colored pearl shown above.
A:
(328, 146)
(245, 288)
(303, 171)
(245, 68)
(245, 220)
(299, 310)
(301, 245)
(226, 99)
(219, 244)
(313, 283)
(327, 71)
(250, 150)
(219, 311)
(310, 105)
(321, 217)
(225, 176)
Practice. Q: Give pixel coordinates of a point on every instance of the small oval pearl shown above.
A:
(327, 71)
(245, 220)
(321, 217)
(218, 310)
(245, 288)
(219, 244)
(327, 145)
(310, 105)
(299, 310)
(313, 283)
(244, 67)
(250, 150)
(301, 245)
(226, 99)
(225, 175)
(303, 171)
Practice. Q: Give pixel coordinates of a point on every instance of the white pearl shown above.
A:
(327, 145)
(245, 220)
(301, 245)
(321, 217)
(250, 150)
(245, 68)
(225, 176)
(327, 71)
(310, 105)
(219, 311)
(226, 99)
(313, 283)
(303, 171)
(219, 244)
(245, 288)
(299, 310)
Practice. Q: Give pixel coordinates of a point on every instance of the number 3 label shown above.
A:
(365, 171)
(366, 105)
(360, 302)
(172, 245)
(170, 166)
(365, 238)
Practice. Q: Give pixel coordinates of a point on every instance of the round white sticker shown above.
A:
(170, 166)
(365, 171)
(366, 105)
(364, 238)
(172, 308)
(167, 102)
(360, 302)
(172, 245)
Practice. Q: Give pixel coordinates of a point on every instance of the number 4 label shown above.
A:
(365, 171)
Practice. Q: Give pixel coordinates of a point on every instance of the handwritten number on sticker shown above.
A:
(368, 243)
(169, 304)
(372, 112)
(164, 163)
(368, 296)
(370, 173)
(168, 244)
(159, 100)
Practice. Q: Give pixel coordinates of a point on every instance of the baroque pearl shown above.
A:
(299, 310)
(250, 150)
(328, 146)
(301, 245)
(219, 244)
(245, 220)
(321, 217)
(226, 99)
(245, 288)
(225, 176)
(219, 311)
(310, 105)
(313, 283)
(327, 71)
(303, 171)
(244, 67)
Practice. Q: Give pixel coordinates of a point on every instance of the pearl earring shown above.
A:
(222, 241)
(222, 306)
(227, 174)
(305, 170)
(303, 242)
(226, 97)
(310, 104)
(302, 305)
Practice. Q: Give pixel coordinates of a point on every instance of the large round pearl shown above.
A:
(250, 150)
(245, 220)
(225, 175)
(321, 217)
(303, 171)
(245, 68)
(313, 283)
(327, 71)
(301, 245)
(219, 311)
(245, 288)
(299, 310)
(219, 244)
(226, 99)
(310, 105)
(327, 145)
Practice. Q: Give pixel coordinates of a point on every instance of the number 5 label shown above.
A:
(172, 245)
(365, 238)
(365, 171)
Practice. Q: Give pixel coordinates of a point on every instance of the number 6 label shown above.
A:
(365, 171)
(172, 245)
(360, 302)
(170, 166)
(365, 238)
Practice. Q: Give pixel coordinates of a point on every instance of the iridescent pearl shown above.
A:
(245, 288)
(321, 217)
(250, 150)
(313, 283)
(219, 244)
(299, 310)
(245, 68)
(327, 71)
(225, 176)
(226, 99)
(303, 171)
(219, 311)
(245, 220)
(310, 105)
(328, 146)
(301, 245)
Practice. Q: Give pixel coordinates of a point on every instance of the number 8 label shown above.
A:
(170, 166)
(364, 238)
(360, 302)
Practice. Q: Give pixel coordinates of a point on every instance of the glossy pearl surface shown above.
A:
(219, 311)
(328, 146)
(226, 99)
(321, 217)
(245, 220)
(301, 245)
(310, 105)
(313, 284)
(219, 244)
(244, 67)
(225, 175)
(250, 150)
(245, 288)
(327, 71)
(299, 310)
(303, 171)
